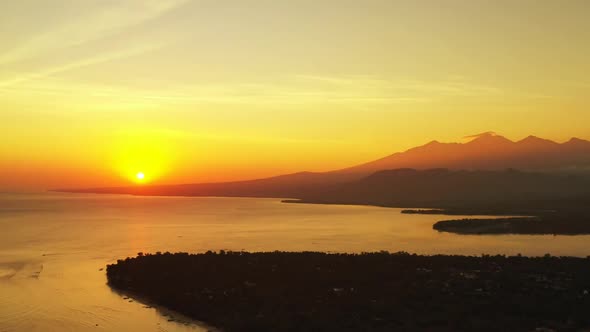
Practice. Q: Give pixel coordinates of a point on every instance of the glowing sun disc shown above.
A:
(140, 176)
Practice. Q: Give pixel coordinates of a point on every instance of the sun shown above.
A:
(140, 176)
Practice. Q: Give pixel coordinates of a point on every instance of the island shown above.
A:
(423, 211)
(314, 291)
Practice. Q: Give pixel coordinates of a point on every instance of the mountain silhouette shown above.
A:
(484, 152)
(488, 151)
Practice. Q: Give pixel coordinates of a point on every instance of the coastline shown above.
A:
(507, 220)
(172, 315)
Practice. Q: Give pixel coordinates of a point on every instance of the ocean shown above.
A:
(54, 248)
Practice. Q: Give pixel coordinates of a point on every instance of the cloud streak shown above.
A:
(288, 90)
(96, 23)
(102, 58)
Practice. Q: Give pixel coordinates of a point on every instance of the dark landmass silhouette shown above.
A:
(311, 291)
(568, 221)
(509, 190)
(559, 203)
(478, 178)
(486, 151)
(423, 211)
(556, 224)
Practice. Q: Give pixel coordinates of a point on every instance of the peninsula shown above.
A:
(313, 291)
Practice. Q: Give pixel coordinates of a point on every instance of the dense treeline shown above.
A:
(311, 291)
(544, 224)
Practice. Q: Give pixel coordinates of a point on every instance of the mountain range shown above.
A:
(488, 151)
(483, 152)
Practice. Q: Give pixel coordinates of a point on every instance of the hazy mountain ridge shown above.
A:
(488, 151)
(485, 152)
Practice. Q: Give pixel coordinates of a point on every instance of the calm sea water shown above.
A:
(54, 248)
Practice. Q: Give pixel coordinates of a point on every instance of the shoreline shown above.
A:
(171, 315)
(507, 221)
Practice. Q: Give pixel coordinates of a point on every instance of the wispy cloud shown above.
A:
(243, 138)
(91, 25)
(453, 86)
(101, 58)
(287, 90)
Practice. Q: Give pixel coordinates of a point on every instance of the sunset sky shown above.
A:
(94, 91)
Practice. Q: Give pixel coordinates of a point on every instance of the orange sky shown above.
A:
(92, 92)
